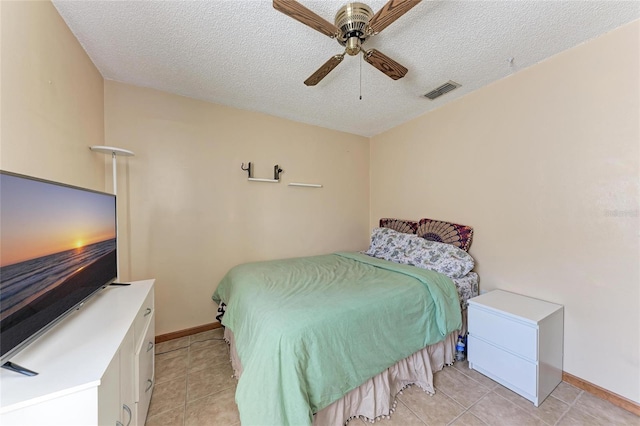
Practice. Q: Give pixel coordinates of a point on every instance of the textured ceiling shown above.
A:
(247, 55)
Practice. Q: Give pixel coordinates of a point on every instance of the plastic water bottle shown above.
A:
(460, 349)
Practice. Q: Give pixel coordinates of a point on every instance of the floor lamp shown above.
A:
(114, 152)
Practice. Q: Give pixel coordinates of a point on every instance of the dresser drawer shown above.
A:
(507, 368)
(144, 362)
(142, 318)
(500, 330)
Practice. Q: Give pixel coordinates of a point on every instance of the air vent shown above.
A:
(445, 88)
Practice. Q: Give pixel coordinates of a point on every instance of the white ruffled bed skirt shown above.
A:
(376, 398)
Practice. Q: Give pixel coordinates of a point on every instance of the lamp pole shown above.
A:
(114, 152)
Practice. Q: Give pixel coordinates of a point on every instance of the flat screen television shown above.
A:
(57, 249)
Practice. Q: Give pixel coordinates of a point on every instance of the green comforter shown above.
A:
(309, 330)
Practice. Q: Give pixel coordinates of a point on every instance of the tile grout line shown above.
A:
(168, 409)
(466, 409)
(188, 347)
(538, 407)
(520, 408)
(489, 390)
(184, 404)
(473, 405)
(203, 396)
(572, 405)
(569, 407)
(186, 378)
(471, 378)
(407, 407)
(561, 415)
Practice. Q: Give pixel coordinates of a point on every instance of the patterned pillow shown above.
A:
(410, 249)
(446, 232)
(406, 226)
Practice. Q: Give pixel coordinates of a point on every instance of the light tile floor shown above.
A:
(195, 387)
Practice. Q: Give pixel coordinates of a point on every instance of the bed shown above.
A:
(323, 339)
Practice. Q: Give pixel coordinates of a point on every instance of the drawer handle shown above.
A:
(150, 346)
(149, 386)
(128, 410)
(147, 312)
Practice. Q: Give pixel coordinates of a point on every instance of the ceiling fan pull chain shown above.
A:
(360, 80)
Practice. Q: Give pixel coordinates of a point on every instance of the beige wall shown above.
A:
(545, 165)
(190, 212)
(52, 98)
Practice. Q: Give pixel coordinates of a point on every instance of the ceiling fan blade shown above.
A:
(325, 69)
(300, 13)
(385, 64)
(389, 13)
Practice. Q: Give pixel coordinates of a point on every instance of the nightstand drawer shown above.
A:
(510, 370)
(504, 332)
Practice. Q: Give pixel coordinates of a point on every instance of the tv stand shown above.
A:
(96, 365)
(18, 369)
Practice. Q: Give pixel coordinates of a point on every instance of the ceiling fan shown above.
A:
(354, 24)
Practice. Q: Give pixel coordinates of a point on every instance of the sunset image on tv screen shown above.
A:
(51, 235)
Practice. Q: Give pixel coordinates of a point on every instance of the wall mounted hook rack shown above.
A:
(249, 169)
(276, 172)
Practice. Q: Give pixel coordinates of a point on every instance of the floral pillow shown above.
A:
(410, 249)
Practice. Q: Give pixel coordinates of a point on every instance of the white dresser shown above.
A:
(517, 341)
(95, 366)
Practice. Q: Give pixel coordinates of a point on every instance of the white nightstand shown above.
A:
(517, 341)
